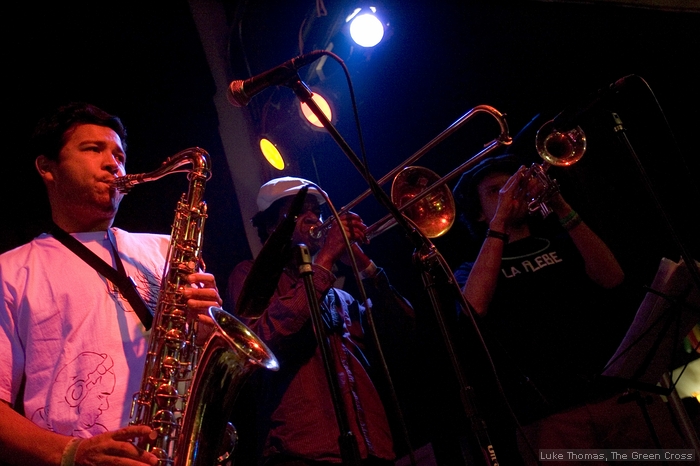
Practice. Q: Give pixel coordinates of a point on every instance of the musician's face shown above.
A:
(79, 182)
(488, 191)
(310, 216)
(490, 196)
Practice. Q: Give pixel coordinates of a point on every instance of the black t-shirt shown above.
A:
(546, 326)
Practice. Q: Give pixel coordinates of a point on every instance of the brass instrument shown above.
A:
(558, 148)
(188, 389)
(419, 193)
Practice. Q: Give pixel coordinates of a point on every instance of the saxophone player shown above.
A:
(72, 343)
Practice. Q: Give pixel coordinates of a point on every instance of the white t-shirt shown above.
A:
(73, 338)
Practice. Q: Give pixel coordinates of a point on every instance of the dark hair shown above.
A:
(269, 218)
(51, 132)
(465, 191)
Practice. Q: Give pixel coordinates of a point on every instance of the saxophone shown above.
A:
(188, 388)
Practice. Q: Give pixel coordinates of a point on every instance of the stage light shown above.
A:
(271, 153)
(322, 104)
(365, 27)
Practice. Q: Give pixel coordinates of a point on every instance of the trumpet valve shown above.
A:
(545, 187)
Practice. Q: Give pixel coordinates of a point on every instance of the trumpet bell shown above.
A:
(560, 148)
(435, 213)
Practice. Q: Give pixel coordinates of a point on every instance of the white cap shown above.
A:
(283, 187)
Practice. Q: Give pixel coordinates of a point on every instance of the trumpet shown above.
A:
(558, 148)
(419, 193)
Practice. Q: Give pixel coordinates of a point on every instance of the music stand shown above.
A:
(646, 354)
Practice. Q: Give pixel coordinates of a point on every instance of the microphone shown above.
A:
(568, 118)
(241, 91)
(261, 281)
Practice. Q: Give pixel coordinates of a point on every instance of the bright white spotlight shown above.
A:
(365, 28)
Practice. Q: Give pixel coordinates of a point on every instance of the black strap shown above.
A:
(118, 277)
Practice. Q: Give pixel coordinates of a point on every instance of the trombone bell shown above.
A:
(418, 192)
(435, 213)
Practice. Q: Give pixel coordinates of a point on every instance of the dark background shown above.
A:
(526, 59)
(145, 62)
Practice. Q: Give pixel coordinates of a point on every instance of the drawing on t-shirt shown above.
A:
(80, 394)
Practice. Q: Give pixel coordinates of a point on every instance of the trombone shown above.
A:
(419, 193)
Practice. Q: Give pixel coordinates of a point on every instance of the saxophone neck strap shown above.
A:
(117, 276)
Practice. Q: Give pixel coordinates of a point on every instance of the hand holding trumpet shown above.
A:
(334, 248)
(529, 190)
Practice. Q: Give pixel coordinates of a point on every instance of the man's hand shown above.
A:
(513, 200)
(201, 295)
(115, 447)
(334, 247)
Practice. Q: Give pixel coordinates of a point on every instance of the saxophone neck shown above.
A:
(198, 159)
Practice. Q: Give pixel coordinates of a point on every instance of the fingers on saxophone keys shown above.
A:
(201, 280)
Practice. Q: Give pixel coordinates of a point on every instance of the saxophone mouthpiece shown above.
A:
(124, 183)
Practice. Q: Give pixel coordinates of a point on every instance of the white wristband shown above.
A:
(370, 271)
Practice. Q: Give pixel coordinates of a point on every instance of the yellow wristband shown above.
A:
(571, 221)
(568, 217)
(68, 456)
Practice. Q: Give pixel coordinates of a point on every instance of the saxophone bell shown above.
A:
(230, 355)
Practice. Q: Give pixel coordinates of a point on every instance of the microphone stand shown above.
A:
(427, 257)
(421, 244)
(620, 131)
(349, 451)
(668, 388)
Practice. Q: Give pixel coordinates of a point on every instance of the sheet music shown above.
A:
(661, 322)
